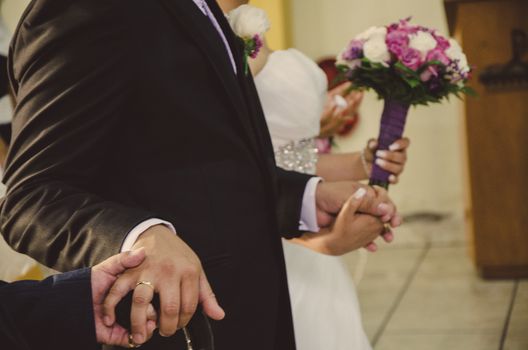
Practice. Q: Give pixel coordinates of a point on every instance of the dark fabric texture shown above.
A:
(128, 110)
(56, 313)
(4, 80)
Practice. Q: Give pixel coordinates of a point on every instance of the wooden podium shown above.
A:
(495, 135)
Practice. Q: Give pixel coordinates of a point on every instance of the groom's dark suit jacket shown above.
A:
(56, 313)
(129, 110)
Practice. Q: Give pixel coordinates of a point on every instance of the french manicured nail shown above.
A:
(340, 102)
(381, 162)
(394, 147)
(392, 178)
(381, 154)
(360, 193)
(383, 208)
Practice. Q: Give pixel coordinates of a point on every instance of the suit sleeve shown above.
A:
(54, 314)
(291, 186)
(71, 72)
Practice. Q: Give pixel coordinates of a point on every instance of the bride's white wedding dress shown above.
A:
(325, 308)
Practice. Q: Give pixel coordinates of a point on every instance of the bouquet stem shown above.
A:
(391, 129)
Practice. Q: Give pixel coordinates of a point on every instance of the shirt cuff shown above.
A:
(309, 211)
(137, 231)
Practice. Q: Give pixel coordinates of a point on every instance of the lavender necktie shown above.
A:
(204, 7)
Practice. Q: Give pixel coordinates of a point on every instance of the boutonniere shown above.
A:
(249, 23)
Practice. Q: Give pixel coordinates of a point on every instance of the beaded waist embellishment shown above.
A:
(300, 156)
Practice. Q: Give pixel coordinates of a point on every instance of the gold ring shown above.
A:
(146, 283)
(131, 343)
(387, 228)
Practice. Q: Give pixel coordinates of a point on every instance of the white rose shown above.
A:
(423, 42)
(376, 50)
(248, 21)
(372, 33)
(455, 52)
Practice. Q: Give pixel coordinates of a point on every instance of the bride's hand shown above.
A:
(375, 213)
(334, 115)
(392, 160)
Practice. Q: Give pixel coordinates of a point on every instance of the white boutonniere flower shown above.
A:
(250, 23)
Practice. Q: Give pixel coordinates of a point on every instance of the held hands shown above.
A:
(174, 271)
(103, 277)
(351, 216)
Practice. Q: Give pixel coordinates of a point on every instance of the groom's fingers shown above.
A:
(208, 300)
(189, 298)
(170, 309)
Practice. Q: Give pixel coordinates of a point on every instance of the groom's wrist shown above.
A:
(134, 234)
(308, 220)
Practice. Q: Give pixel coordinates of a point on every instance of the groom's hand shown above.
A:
(331, 197)
(174, 271)
(350, 230)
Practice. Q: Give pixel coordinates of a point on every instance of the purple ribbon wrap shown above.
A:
(391, 129)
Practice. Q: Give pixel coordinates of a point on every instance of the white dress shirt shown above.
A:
(308, 219)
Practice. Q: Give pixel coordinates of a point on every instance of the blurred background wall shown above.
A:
(11, 11)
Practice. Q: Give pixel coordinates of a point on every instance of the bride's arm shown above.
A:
(357, 166)
(341, 167)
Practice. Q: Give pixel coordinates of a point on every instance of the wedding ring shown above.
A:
(146, 283)
(131, 343)
(387, 228)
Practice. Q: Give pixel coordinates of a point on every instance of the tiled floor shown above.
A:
(423, 293)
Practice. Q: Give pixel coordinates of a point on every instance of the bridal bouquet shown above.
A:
(406, 65)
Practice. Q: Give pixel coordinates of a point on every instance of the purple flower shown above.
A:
(411, 58)
(353, 51)
(397, 42)
(258, 45)
(435, 85)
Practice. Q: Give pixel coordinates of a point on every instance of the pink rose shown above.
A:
(443, 43)
(397, 42)
(438, 54)
(411, 58)
(405, 26)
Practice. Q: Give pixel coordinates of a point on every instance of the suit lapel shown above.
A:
(208, 40)
(255, 114)
(236, 44)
